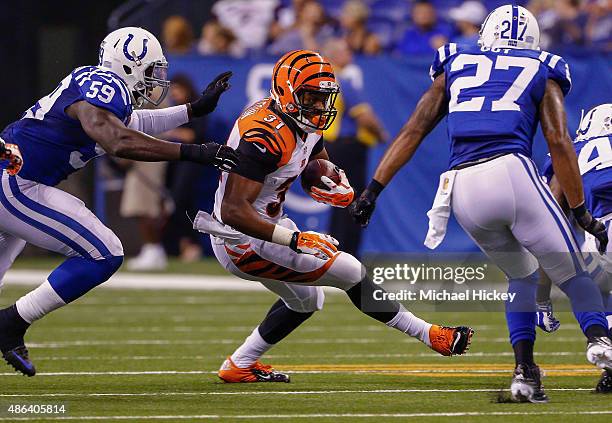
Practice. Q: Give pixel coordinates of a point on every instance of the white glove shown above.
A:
(337, 195)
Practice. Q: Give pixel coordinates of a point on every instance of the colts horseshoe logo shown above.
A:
(132, 56)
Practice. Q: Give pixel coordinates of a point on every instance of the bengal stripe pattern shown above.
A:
(299, 68)
(251, 263)
(261, 124)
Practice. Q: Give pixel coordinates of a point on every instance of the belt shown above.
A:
(477, 162)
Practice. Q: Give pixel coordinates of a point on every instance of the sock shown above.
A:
(523, 352)
(280, 322)
(586, 301)
(391, 313)
(362, 296)
(38, 302)
(520, 313)
(69, 281)
(251, 350)
(408, 323)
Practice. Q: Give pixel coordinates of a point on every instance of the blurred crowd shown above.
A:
(159, 196)
(400, 27)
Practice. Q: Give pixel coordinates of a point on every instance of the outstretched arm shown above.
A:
(429, 111)
(157, 121)
(120, 141)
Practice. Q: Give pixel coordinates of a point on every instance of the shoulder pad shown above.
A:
(443, 54)
(558, 70)
(104, 89)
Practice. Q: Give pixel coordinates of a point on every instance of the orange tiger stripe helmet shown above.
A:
(305, 88)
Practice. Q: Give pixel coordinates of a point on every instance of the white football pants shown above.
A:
(511, 214)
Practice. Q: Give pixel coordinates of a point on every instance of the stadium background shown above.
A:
(147, 347)
(48, 39)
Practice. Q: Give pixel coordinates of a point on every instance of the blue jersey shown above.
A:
(595, 162)
(494, 97)
(53, 144)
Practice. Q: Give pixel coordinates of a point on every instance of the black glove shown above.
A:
(210, 96)
(363, 207)
(592, 226)
(220, 156)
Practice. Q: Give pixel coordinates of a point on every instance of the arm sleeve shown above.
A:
(107, 93)
(558, 70)
(157, 121)
(257, 160)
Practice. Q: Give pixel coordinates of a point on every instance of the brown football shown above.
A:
(311, 175)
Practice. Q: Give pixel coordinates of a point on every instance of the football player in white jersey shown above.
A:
(493, 96)
(253, 239)
(91, 112)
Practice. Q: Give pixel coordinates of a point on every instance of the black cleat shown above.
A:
(12, 345)
(527, 384)
(604, 386)
(19, 359)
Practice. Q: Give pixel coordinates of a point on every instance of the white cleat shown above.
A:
(151, 257)
(527, 385)
(599, 352)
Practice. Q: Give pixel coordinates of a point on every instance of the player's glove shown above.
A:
(319, 245)
(210, 96)
(337, 195)
(592, 226)
(220, 156)
(545, 317)
(363, 207)
(11, 154)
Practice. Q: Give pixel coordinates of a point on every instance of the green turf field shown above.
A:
(152, 355)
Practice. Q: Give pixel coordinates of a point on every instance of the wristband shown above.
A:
(190, 152)
(282, 235)
(375, 187)
(580, 211)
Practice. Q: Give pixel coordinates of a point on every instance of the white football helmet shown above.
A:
(136, 56)
(596, 123)
(510, 27)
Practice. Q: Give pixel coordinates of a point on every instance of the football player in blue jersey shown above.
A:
(91, 112)
(493, 95)
(593, 145)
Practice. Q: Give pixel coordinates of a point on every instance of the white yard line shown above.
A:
(147, 281)
(317, 415)
(309, 356)
(578, 370)
(231, 341)
(224, 393)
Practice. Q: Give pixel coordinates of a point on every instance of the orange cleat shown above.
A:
(450, 341)
(258, 372)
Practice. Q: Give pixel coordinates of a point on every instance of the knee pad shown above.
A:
(308, 300)
(112, 264)
(344, 273)
(77, 275)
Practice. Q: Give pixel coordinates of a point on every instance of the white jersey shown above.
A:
(271, 152)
